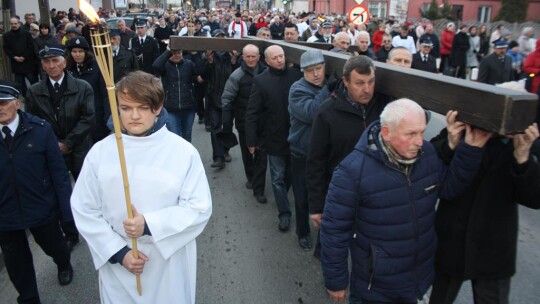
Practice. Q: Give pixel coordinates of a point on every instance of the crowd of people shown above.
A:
(360, 170)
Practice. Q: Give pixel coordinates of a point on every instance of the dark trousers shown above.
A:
(254, 164)
(18, 257)
(298, 182)
(218, 151)
(21, 79)
(260, 162)
(198, 96)
(446, 289)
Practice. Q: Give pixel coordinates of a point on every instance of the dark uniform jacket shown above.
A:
(74, 119)
(418, 63)
(20, 43)
(147, 53)
(34, 179)
(269, 101)
(493, 71)
(478, 230)
(124, 63)
(336, 129)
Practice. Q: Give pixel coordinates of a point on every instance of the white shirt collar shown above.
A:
(59, 81)
(13, 125)
(143, 38)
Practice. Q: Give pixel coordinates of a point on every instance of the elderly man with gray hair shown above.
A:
(305, 97)
(381, 201)
(363, 42)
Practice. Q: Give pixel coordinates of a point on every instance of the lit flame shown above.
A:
(88, 10)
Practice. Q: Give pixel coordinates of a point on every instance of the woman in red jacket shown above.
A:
(532, 68)
(446, 43)
(377, 37)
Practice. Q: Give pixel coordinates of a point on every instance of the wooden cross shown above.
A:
(495, 109)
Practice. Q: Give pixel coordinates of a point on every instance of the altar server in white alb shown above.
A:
(170, 195)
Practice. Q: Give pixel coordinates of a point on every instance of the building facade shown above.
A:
(472, 10)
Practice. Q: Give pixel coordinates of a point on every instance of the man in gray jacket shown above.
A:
(305, 97)
(234, 104)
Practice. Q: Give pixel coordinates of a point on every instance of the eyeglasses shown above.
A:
(386, 41)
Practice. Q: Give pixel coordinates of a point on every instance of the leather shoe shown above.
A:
(284, 223)
(227, 157)
(71, 244)
(218, 163)
(65, 276)
(261, 199)
(305, 243)
(249, 184)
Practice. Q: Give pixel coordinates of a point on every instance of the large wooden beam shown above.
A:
(495, 109)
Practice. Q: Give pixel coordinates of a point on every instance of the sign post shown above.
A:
(359, 14)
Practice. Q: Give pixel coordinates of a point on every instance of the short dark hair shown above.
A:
(142, 87)
(291, 25)
(363, 65)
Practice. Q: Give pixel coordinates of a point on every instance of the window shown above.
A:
(378, 9)
(484, 14)
(425, 7)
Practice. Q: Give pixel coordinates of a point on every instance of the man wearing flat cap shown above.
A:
(146, 48)
(326, 36)
(305, 97)
(34, 194)
(423, 60)
(67, 104)
(497, 66)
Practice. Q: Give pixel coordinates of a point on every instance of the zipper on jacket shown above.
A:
(413, 207)
(372, 261)
(179, 88)
(14, 177)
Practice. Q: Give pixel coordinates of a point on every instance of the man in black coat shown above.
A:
(268, 109)
(19, 48)
(458, 56)
(496, 67)
(145, 47)
(477, 231)
(337, 127)
(124, 60)
(277, 29)
(423, 60)
(219, 67)
(34, 194)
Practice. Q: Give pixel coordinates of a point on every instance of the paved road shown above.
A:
(243, 258)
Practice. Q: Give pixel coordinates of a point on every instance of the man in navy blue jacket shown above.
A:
(34, 194)
(381, 206)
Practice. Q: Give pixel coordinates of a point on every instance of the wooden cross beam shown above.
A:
(495, 109)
